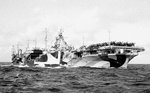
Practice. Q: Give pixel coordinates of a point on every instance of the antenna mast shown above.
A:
(18, 46)
(46, 38)
(35, 42)
(109, 36)
(28, 45)
(13, 49)
(83, 40)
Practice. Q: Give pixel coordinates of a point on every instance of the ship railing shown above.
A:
(100, 53)
(139, 49)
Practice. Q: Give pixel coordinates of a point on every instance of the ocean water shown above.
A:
(135, 79)
(5, 63)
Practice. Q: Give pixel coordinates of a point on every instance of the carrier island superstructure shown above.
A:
(101, 55)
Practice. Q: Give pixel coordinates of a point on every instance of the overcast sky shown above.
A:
(88, 20)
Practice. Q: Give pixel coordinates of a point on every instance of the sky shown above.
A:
(88, 21)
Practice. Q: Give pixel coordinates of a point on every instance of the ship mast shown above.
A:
(46, 38)
(60, 40)
(19, 50)
(28, 45)
(109, 36)
(35, 43)
(13, 49)
(83, 40)
(18, 47)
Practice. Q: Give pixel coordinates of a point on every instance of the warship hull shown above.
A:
(92, 60)
(73, 60)
(101, 61)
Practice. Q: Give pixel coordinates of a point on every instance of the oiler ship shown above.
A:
(101, 55)
(47, 57)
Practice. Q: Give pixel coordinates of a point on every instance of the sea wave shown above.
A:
(135, 79)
